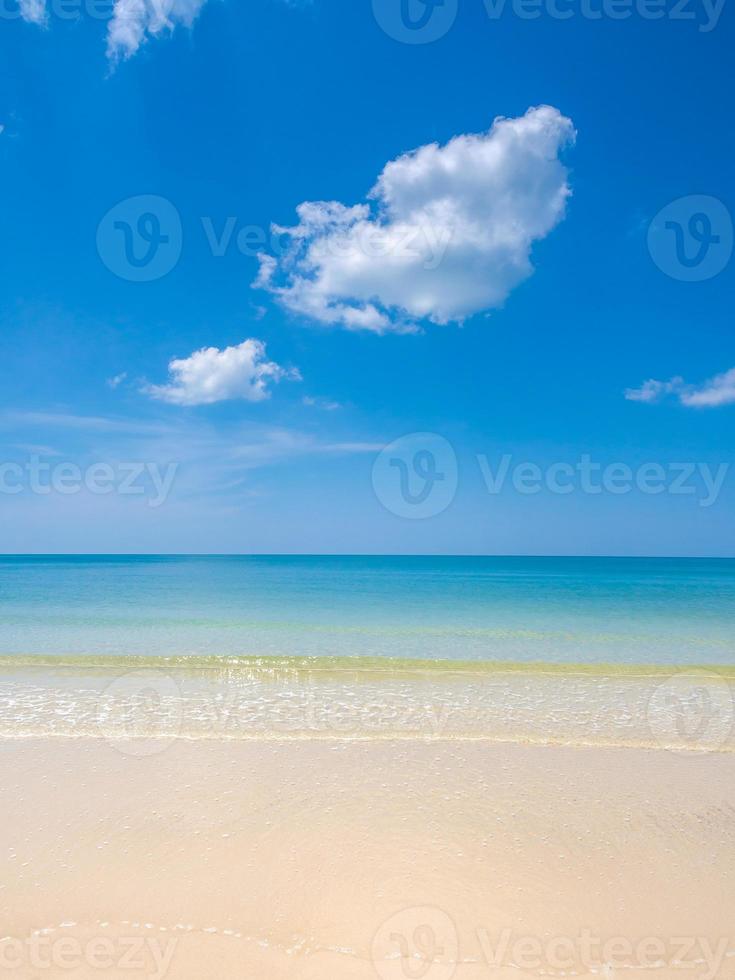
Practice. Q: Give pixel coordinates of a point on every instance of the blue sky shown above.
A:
(552, 288)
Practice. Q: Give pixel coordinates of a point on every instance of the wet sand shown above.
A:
(334, 860)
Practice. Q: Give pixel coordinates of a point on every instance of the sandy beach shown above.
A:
(390, 859)
(198, 813)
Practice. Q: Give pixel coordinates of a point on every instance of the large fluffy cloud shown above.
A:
(134, 20)
(448, 233)
(211, 375)
(719, 390)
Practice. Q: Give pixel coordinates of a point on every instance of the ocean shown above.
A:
(617, 611)
(569, 651)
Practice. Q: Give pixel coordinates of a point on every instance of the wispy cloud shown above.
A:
(210, 461)
(275, 445)
(713, 393)
(134, 21)
(449, 235)
(132, 24)
(653, 391)
(34, 11)
(87, 423)
(117, 380)
(36, 450)
(325, 404)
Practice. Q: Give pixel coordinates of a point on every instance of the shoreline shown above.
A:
(677, 709)
(357, 665)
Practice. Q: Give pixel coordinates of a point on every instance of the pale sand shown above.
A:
(266, 860)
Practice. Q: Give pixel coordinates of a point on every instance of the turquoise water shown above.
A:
(563, 610)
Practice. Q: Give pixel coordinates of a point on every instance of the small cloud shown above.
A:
(322, 403)
(652, 390)
(34, 11)
(117, 380)
(211, 375)
(134, 21)
(713, 393)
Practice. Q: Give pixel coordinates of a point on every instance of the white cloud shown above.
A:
(133, 21)
(34, 11)
(449, 233)
(718, 391)
(211, 375)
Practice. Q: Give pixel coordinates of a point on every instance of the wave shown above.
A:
(353, 665)
(364, 698)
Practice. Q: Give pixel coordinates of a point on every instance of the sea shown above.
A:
(553, 610)
(613, 651)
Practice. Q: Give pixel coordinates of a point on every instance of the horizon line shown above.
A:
(344, 554)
